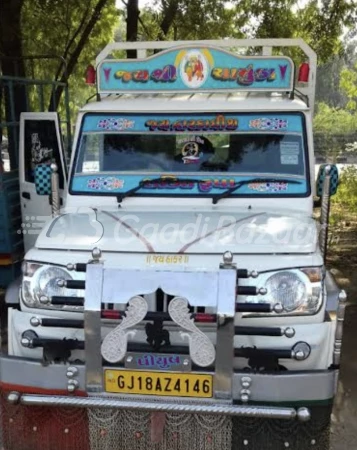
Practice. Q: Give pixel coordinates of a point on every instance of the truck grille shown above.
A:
(157, 301)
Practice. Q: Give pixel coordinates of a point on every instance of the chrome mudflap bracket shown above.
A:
(272, 412)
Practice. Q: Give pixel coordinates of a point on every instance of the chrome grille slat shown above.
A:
(165, 302)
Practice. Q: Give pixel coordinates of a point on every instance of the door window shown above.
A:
(41, 147)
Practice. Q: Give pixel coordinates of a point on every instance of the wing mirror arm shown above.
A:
(327, 183)
(55, 191)
(47, 183)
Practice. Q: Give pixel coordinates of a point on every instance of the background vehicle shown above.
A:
(179, 297)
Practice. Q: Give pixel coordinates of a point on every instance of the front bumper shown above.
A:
(26, 376)
(285, 410)
(31, 389)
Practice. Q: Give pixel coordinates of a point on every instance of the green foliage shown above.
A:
(348, 84)
(334, 130)
(346, 197)
(332, 121)
(319, 23)
(191, 19)
(329, 79)
(54, 28)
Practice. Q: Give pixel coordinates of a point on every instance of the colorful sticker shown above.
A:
(197, 139)
(105, 183)
(194, 69)
(205, 185)
(218, 123)
(191, 153)
(197, 68)
(39, 154)
(113, 123)
(268, 124)
(276, 186)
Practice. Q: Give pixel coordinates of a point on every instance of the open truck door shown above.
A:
(40, 145)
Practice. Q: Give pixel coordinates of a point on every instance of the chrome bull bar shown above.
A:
(203, 288)
(270, 412)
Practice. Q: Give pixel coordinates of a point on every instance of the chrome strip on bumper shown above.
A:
(270, 412)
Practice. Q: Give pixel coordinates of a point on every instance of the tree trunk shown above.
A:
(170, 9)
(132, 25)
(56, 95)
(12, 65)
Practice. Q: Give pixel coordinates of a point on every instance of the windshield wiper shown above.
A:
(142, 183)
(216, 198)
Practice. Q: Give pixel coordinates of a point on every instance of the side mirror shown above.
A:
(321, 177)
(43, 179)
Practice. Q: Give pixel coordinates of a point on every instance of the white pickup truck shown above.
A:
(178, 297)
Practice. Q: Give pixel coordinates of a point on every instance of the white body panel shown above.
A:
(190, 230)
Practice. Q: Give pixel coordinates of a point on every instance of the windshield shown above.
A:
(117, 152)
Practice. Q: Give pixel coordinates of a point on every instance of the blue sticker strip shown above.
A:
(186, 123)
(189, 69)
(206, 185)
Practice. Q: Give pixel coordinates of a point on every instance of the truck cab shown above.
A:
(179, 295)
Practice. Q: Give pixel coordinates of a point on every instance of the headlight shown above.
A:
(41, 280)
(298, 291)
(288, 289)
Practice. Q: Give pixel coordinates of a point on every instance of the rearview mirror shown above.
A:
(43, 179)
(321, 177)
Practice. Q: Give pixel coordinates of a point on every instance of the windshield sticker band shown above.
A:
(105, 183)
(268, 187)
(205, 185)
(268, 124)
(192, 123)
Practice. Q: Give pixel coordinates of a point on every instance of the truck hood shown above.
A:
(194, 231)
(201, 232)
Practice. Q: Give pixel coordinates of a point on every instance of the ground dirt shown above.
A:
(342, 260)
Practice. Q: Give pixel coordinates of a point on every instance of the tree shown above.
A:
(334, 129)
(132, 7)
(319, 23)
(79, 25)
(11, 37)
(11, 65)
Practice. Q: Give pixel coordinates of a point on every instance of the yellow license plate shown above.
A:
(158, 383)
(167, 259)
